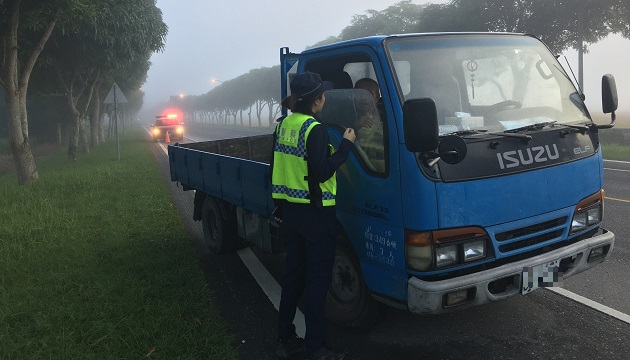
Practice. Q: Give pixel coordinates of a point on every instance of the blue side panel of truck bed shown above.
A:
(231, 184)
(178, 166)
(241, 182)
(211, 175)
(256, 186)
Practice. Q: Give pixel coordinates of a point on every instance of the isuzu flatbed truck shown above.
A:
(482, 179)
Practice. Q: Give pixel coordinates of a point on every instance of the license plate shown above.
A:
(544, 275)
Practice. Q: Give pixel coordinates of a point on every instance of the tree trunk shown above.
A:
(270, 118)
(73, 140)
(84, 145)
(14, 77)
(95, 124)
(58, 133)
(18, 138)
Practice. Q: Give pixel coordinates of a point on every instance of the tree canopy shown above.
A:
(90, 42)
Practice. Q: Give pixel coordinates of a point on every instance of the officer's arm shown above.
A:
(323, 165)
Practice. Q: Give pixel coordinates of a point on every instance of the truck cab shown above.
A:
(481, 178)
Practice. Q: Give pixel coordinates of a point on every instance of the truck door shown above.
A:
(368, 193)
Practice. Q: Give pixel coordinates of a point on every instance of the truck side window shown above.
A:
(356, 108)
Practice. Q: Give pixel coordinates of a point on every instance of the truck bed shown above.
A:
(236, 170)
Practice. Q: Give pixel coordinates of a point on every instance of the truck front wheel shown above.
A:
(218, 231)
(349, 302)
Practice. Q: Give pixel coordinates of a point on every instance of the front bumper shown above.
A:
(427, 297)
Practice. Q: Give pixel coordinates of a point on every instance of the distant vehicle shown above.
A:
(167, 124)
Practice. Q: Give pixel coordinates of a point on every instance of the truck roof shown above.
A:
(376, 40)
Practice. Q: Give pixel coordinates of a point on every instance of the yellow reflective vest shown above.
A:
(290, 169)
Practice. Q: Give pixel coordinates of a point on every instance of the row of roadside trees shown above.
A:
(561, 24)
(72, 51)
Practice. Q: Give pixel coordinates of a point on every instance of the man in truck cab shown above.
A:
(369, 124)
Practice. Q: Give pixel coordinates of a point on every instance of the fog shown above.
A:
(223, 40)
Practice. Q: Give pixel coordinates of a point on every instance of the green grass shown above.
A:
(95, 264)
(616, 152)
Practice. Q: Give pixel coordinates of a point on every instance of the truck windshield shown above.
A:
(485, 82)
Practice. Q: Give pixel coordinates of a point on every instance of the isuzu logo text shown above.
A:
(536, 154)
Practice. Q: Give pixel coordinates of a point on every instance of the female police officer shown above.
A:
(304, 188)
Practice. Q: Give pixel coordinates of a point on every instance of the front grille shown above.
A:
(520, 238)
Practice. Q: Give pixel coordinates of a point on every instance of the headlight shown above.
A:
(589, 212)
(179, 130)
(446, 255)
(443, 248)
(586, 218)
(156, 131)
(474, 250)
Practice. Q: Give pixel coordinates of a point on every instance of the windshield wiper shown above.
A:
(579, 127)
(582, 128)
(523, 137)
(532, 127)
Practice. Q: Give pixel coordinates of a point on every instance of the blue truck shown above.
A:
(481, 177)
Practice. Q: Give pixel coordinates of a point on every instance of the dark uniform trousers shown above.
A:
(310, 235)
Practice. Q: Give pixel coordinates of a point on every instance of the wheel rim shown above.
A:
(345, 281)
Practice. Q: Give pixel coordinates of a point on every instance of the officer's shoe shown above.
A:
(289, 347)
(325, 352)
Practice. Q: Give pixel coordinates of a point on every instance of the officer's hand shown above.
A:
(349, 134)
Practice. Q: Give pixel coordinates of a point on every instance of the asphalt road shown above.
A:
(541, 325)
(609, 284)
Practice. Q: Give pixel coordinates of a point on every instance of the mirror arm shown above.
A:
(613, 118)
(430, 159)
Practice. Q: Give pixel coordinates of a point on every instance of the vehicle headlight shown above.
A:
(474, 250)
(179, 130)
(443, 248)
(446, 255)
(589, 212)
(156, 131)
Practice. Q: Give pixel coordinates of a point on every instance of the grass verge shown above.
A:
(95, 264)
(616, 152)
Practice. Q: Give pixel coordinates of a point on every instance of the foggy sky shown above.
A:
(226, 39)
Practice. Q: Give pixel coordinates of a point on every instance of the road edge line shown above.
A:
(590, 303)
(618, 161)
(269, 285)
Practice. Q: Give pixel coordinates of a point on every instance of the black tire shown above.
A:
(218, 231)
(349, 302)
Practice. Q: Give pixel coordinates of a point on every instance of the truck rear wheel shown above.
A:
(218, 231)
(349, 302)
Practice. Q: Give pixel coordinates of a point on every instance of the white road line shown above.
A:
(618, 161)
(269, 285)
(616, 170)
(164, 148)
(592, 304)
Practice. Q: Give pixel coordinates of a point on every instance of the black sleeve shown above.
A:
(322, 165)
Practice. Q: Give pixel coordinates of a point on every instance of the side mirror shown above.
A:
(609, 94)
(420, 125)
(609, 99)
